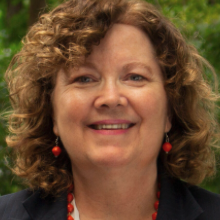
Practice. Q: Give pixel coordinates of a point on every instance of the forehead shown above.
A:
(124, 39)
(124, 47)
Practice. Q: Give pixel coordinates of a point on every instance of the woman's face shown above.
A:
(113, 110)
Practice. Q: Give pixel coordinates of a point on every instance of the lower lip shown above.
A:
(111, 132)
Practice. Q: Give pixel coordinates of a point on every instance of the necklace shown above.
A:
(70, 207)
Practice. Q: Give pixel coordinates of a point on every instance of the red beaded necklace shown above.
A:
(70, 207)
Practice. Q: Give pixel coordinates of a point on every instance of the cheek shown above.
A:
(74, 108)
(152, 102)
(70, 109)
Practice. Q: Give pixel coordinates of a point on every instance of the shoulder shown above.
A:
(208, 201)
(14, 197)
(189, 202)
(204, 197)
(13, 203)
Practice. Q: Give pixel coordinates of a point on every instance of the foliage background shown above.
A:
(199, 22)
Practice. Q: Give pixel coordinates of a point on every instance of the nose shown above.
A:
(111, 96)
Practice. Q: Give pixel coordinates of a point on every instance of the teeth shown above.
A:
(111, 127)
(124, 126)
(99, 127)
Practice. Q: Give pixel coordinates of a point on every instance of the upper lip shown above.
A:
(112, 121)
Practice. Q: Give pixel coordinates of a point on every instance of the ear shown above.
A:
(55, 127)
(168, 124)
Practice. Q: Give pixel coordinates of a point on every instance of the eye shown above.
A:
(83, 79)
(135, 77)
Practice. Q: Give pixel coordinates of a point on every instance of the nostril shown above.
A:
(110, 102)
(104, 105)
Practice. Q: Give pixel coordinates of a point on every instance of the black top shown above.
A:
(178, 201)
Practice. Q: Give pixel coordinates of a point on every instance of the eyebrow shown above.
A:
(126, 67)
(90, 65)
(134, 64)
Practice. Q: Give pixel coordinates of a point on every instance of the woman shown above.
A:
(123, 95)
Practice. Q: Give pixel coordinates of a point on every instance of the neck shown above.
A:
(121, 193)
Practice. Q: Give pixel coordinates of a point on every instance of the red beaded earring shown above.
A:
(167, 146)
(56, 150)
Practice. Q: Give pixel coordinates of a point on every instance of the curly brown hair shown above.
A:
(60, 39)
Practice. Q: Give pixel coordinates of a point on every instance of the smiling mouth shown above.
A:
(110, 126)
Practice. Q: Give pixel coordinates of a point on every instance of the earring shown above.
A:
(56, 150)
(167, 146)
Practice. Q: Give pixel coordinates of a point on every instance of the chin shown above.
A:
(111, 158)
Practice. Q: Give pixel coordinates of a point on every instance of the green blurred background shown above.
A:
(198, 20)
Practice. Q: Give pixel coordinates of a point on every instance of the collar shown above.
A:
(176, 202)
(40, 208)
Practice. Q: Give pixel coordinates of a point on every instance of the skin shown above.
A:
(114, 173)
